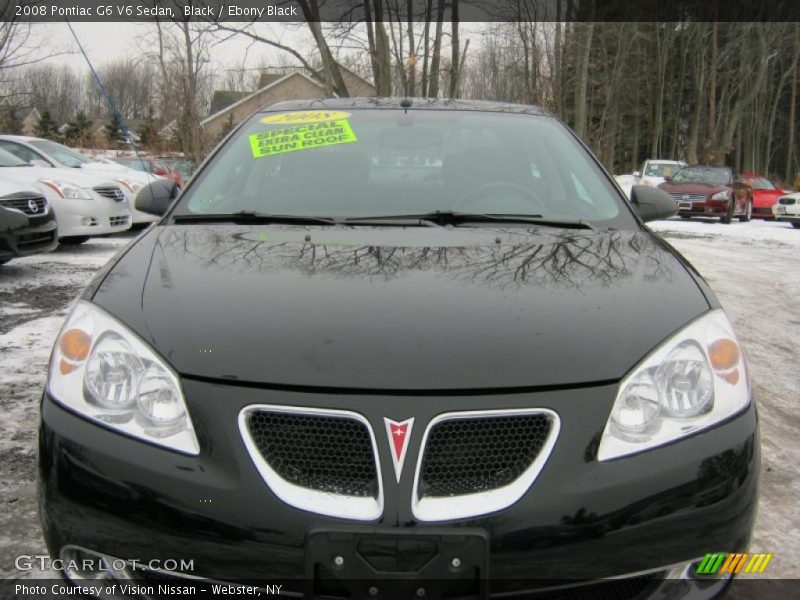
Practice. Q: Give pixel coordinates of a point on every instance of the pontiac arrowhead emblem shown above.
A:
(399, 433)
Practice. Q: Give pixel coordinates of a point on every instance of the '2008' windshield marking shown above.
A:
(301, 137)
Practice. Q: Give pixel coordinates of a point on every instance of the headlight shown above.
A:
(67, 190)
(723, 195)
(693, 381)
(132, 186)
(104, 372)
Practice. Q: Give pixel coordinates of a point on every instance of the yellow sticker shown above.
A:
(301, 137)
(304, 116)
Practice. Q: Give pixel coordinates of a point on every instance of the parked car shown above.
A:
(46, 153)
(85, 204)
(705, 191)
(765, 194)
(326, 369)
(155, 166)
(27, 224)
(654, 172)
(787, 209)
(184, 166)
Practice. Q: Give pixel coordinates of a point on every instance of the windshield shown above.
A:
(61, 153)
(759, 183)
(9, 160)
(661, 169)
(708, 175)
(133, 163)
(366, 163)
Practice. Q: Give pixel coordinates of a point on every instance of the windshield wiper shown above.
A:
(455, 217)
(250, 216)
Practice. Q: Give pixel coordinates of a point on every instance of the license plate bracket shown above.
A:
(684, 205)
(432, 564)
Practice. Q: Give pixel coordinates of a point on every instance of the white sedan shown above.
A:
(46, 153)
(787, 209)
(85, 204)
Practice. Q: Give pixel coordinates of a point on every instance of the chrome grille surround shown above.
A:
(25, 203)
(111, 192)
(359, 508)
(489, 501)
(681, 197)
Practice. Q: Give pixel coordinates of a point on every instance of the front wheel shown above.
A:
(796, 225)
(748, 213)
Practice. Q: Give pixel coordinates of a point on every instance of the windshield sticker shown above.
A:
(304, 116)
(301, 137)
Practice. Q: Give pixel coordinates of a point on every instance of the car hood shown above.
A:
(10, 183)
(692, 188)
(73, 176)
(401, 308)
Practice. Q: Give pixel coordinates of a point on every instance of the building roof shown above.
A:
(269, 86)
(222, 99)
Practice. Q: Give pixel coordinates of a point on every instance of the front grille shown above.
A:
(319, 452)
(680, 197)
(118, 221)
(472, 455)
(626, 588)
(111, 192)
(29, 241)
(787, 201)
(29, 204)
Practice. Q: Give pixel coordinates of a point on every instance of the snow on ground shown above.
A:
(753, 267)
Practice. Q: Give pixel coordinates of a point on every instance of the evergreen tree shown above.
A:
(114, 132)
(10, 122)
(82, 128)
(46, 127)
(148, 133)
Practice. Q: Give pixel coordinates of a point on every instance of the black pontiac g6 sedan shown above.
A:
(400, 349)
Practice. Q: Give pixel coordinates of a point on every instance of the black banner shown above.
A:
(354, 10)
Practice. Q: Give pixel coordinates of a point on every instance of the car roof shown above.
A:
(20, 138)
(416, 103)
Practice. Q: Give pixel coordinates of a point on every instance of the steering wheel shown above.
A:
(493, 187)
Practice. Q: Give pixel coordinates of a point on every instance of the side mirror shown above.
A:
(637, 174)
(652, 203)
(156, 197)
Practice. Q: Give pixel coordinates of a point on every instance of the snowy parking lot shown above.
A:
(753, 267)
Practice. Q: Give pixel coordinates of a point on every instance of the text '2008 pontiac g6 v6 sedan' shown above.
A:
(385, 348)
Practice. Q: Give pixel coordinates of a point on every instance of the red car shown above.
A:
(705, 191)
(765, 194)
(151, 165)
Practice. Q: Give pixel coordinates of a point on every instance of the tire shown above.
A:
(5, 260)
(687, 217)
(748, 213)
(76, 240)
(728, 216)
(796, 225)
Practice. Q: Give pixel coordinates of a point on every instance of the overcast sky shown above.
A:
(109, 41)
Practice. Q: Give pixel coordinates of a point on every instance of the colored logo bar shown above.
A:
(732, 563)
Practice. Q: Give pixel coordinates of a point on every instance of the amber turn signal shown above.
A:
(723, 354)
(75, 344)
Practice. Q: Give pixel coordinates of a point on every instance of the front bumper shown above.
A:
(581, 519)
(703, 208)
(98, 216)
(25, 235)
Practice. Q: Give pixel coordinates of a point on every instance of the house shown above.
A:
(233, 107)
(30, 121)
